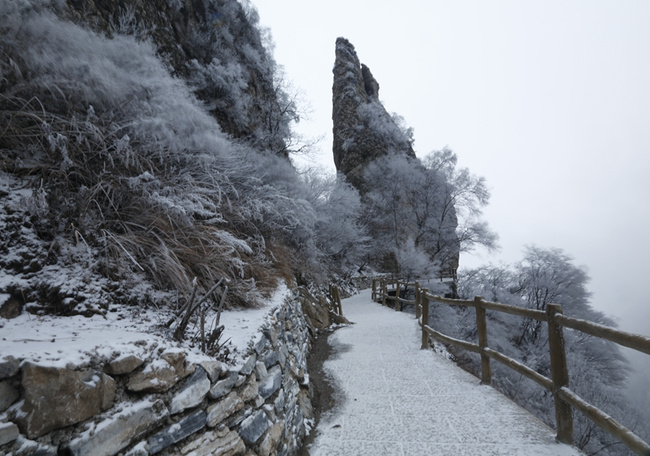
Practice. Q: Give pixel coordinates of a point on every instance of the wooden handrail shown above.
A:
(606, 422)
(634, 341)
(521, 369)
(565, 399)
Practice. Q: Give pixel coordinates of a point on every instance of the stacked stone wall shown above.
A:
(167, 404)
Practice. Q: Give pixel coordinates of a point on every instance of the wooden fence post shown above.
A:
(384, 293)
(481, 325)
(338, 301)
(425, 318)
(398, 305)
(374, 290)
(417, 300)
(559, 375)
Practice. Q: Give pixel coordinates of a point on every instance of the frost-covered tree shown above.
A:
(597, 367)
(340, 233)
(430, 206)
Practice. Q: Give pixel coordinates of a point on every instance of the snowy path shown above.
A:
(400, 400)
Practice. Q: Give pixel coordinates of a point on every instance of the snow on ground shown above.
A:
(243, 326)
(400, 400)
(77, 340)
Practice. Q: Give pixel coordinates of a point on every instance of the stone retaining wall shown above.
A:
(167, 405)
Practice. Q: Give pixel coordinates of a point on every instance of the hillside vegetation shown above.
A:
(127, 178)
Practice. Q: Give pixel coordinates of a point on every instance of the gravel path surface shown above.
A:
(400, 400)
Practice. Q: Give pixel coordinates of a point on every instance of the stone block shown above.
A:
(279, 401)
(248, 367)
(283, 354)
(194, 390)
(224, 443)
(250, 391)
(8, 433)
(9, 367)
(141, 449)
(120, 430)
(223, 387)
(271, 335)
(271, 383)
(253, 427)
(178, 361)
(304, 401)
(261, 345)
(270, 358)
(123, 365)
(260, 370)
(224, 409)
(271, 439)
(160, 375)
(55, 398)
(9, 393)
(177, 432)
(31, 448)
(238, 417)
(213, 369)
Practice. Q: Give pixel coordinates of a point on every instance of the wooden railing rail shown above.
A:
(565, 399)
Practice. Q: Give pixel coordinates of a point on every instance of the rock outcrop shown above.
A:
(215, 46)
(363, 129)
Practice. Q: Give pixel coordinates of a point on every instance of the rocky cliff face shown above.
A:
(411, 216)
(215, 46)
(363, 129)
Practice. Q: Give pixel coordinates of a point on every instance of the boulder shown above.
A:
(315, 310)
(120, 430)
(10, 306)
(55, 398)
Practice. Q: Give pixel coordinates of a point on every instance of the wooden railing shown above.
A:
(565, 400)
(384, 288)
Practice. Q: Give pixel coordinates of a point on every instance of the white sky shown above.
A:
(548, 100)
